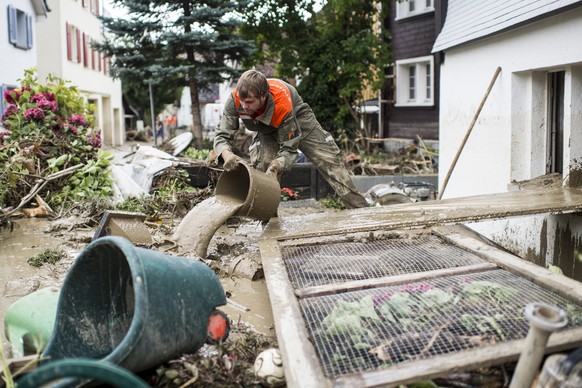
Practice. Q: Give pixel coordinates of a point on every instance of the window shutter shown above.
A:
(12, 31)
(79, 51)
(28, 31)
(69, 45)
(3, 104)
(85, 53)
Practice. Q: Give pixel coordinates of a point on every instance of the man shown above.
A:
(282, 123)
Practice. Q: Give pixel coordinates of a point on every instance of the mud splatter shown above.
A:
(575, 174)
(566, 246)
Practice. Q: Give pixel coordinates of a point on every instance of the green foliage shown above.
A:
(195, 154)
(50, 129)
(332, 202)
(174, 43)
(336, 52)
(48, 256)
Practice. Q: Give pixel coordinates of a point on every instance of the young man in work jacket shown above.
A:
(282, 123)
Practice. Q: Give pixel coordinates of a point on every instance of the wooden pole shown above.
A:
(475, 117)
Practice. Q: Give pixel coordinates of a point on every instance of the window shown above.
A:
(410, 8)
(414, 82)
(555, 130)
(19, 28)
(74, 44)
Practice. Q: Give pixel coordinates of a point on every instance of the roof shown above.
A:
(467, 21)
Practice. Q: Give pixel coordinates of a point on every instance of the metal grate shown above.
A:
(377, 328)
(395, 254)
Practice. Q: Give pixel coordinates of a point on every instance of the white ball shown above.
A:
(269, 367)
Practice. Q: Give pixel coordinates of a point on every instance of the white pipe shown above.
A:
(544, 319)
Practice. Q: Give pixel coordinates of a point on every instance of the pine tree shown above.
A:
(175, 44)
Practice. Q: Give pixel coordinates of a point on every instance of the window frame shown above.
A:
(403, 8)
(422, 78)
(20, 25)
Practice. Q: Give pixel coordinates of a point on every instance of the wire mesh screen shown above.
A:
(376, 328)
(317, 264)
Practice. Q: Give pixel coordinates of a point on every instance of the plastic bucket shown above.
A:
(133, 307)
(259, 193)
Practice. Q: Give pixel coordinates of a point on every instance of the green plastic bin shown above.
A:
(133, 307)
(29, 322)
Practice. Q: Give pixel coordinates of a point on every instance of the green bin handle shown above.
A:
(101, 371)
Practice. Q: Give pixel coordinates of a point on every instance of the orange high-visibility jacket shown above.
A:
(283, 114)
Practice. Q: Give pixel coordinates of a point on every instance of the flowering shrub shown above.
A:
(49, 128)
(288, 194)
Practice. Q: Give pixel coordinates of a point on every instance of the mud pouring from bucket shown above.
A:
(243, 191)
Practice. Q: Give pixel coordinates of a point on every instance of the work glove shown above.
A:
(230, 160)
(274, 169)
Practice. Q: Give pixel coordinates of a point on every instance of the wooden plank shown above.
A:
(355, 285)
(428, 213)
(560, 284)
(302, 367)
(443, 365)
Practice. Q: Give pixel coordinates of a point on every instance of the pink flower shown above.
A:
(10, 111)
(48, 105)
(72, 129)
(34, 114)
(37, 97)
(12, 96)
(78, 120)
(94, 139)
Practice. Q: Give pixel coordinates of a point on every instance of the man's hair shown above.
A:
(252, 83)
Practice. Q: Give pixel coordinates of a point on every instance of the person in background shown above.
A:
(282, 123)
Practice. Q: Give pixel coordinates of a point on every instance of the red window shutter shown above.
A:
(69, 45)
(85, 53)
(79, 51)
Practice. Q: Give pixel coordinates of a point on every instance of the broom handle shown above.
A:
(497, 71)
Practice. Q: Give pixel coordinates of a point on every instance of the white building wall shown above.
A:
(95, 84)
(13, 60)
(508, 140)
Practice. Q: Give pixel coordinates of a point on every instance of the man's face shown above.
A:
(252, 104)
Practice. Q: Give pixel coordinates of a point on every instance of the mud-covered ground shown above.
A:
(233, 254)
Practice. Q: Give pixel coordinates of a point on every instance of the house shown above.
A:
(60, 44)
(411, 94)
(18, 46)
(530, 126)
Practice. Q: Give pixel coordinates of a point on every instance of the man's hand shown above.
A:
(230, 160)
(274, 169)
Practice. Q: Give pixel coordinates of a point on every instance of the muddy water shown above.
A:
(249, 302)
(17, 277)
(195, 231)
